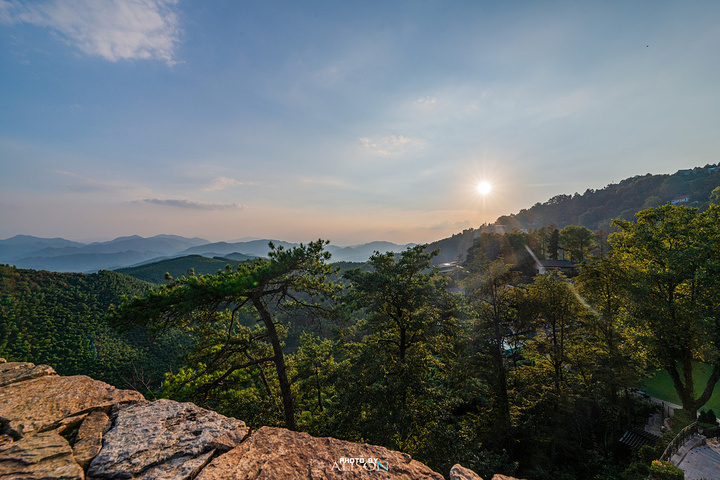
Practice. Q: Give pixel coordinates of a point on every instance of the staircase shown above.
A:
(702, 462)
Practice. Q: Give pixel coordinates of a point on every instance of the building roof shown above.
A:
(637, 438)
(555, 263)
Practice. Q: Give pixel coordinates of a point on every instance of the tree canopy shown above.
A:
(672, 254)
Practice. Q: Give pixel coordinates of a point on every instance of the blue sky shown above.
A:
(352, 121)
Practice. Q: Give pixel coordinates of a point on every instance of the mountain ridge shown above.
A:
(594, 209)
(61, 255)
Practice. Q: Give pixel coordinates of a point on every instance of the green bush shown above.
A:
(665, 471)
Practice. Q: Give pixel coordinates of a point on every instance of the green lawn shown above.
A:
(660, 386)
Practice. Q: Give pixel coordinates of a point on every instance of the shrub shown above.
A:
(665, 471)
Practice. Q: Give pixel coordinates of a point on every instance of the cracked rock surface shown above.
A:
(276, 453)
(37, 404)
(44, 455)
(163, 439)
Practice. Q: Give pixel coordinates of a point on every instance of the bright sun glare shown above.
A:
(484, 188)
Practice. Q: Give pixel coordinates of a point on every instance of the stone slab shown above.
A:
(280, 454)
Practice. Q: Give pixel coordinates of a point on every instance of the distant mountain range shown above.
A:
(60, 255)
(594, 209)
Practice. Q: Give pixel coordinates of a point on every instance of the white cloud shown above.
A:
(182, 203)
(222, 183)
(390, 145)
(426, 101)
(112, 29)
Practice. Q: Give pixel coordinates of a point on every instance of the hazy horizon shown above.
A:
(354, 123)
(209, 240)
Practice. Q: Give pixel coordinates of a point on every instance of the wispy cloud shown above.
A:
(222, 183)
(111, 29)
(426, 101)
(182, 203)
(390, 145)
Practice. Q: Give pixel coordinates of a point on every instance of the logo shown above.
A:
(370, 464)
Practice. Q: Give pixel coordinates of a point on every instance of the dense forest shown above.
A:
(157, 272)
(59, 319)
(502, 365)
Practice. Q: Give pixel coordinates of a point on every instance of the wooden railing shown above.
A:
(676, 444)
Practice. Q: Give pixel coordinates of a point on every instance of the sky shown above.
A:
(348, 121)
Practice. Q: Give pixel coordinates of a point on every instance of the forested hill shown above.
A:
(177, 267)
(595, 209)
(59, 319)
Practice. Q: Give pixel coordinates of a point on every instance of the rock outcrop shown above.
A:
(44, 455)
(277, 453)
(163, 439)
(42, 402)
(77, 428)
(458, 472)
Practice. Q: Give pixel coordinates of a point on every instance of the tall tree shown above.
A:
(603, 284)
(489, 290)
(555, 312)
(577, 241)
(408, 329)
(554, 244)
(288, 279)
(674, 254)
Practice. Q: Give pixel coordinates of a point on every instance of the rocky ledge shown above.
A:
(76, 428)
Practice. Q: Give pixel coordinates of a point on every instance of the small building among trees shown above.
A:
(563, 266)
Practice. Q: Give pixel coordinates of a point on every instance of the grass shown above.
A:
(660, 386)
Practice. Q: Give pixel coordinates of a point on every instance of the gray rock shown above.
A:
(88, 441)
(15, 372)
(178, 468)
(45, 456)
(458, 472)
(163, 440)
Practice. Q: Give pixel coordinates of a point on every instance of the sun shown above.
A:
(484, 188)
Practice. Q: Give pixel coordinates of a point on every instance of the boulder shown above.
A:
(14, 372)
(458, 472)
(88, 441)
(45, 456)
(42, 403)
(278, 454)
(497, 476)
(163, 440)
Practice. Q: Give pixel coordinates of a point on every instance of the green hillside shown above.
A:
(177, 267)
(58, 319)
